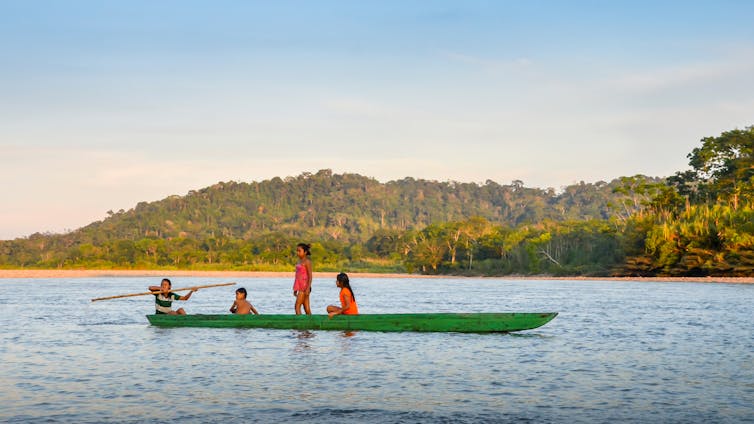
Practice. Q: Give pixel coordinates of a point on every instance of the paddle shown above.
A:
(157, 292)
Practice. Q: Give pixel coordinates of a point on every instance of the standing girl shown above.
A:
(347, 299)
(302, 284)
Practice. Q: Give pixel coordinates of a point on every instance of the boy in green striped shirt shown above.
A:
(164, 299)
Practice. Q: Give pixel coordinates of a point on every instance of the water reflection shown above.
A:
(345, 340)
(303, 339)
(530, 335)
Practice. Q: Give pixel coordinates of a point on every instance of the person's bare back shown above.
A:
(241, 306)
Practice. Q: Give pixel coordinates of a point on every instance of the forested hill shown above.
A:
(350, 208)
(351, 220)
(696, 222)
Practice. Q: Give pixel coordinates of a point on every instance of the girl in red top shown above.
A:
(347, 298)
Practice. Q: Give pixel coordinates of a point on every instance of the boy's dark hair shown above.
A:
(242, 290)
(169, 283)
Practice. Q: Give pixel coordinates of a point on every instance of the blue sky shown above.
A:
(105, 104)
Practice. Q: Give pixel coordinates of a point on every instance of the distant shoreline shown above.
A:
(87, 273)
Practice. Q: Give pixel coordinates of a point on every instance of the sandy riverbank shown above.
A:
(84, 273)
(69, 273)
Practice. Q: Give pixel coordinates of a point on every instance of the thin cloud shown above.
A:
(686, 75)
(487, 64)
(357, 107)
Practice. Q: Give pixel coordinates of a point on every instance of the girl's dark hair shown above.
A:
(342, 278)
(169, 283)
(307, 248)
(242, 290)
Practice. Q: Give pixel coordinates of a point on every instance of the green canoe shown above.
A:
(442, 322)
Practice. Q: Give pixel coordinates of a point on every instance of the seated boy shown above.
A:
(164, 299)
(242, 306)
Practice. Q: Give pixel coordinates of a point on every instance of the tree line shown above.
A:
(696, 222)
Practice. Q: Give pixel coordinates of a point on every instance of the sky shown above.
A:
(104, 104)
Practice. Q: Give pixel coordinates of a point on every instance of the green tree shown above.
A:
(725, 164)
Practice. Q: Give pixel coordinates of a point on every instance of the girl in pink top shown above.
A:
(302, 284)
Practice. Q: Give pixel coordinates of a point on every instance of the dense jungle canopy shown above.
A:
(697, 222)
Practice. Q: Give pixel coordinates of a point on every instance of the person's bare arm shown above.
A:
(308, 266)
(188, 296)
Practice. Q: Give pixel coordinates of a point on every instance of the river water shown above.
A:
(618, 351)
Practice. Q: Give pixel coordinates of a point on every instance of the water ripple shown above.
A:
(626, 352)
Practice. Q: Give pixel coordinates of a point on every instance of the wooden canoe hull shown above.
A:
(436, 322)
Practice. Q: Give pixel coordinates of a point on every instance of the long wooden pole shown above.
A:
(157, 292)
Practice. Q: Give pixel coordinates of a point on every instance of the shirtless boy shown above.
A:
(242, 306)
